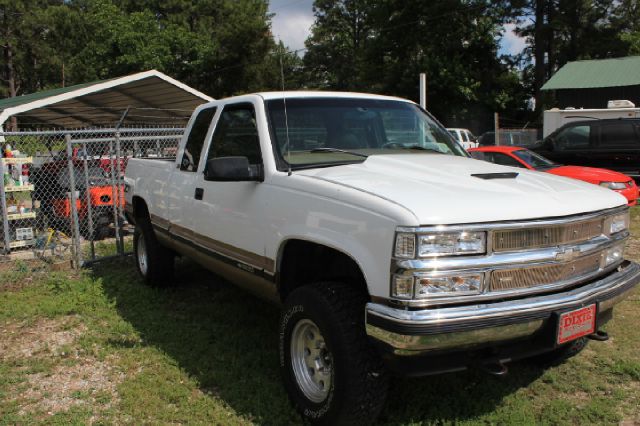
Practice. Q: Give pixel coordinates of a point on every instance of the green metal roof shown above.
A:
(25, 99)
(596, 73)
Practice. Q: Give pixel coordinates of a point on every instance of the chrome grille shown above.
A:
(546, 236)
(545, 274)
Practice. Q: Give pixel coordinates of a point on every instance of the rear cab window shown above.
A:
(196, 140)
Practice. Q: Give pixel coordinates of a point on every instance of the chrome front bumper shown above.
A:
(416, 332)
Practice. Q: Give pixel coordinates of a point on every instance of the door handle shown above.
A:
(199, 193)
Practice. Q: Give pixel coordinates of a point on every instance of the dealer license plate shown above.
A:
(577, 323)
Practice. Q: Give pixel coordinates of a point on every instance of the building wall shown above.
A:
(595, 98)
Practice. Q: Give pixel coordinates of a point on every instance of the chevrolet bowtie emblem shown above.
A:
(567, 254)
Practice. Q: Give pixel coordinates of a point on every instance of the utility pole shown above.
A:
(496, 127)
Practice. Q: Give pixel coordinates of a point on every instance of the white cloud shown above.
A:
(292, 28)
(511, 43)
(292, 21)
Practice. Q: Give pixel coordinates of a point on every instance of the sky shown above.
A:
(293, 19)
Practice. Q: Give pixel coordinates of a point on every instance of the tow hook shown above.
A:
(600, 336)
(496, 368)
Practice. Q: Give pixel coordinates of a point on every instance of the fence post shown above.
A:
(120, 223)
(75, 221)
(114, 194)
(5, 215)
(89, 204)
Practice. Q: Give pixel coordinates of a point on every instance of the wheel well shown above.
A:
(304, 262)
(140, 209)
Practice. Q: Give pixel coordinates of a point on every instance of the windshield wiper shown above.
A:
(344, 151)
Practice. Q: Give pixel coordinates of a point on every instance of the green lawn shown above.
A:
(99, 347)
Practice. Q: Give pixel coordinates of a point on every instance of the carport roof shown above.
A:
(152, 96)
(596, 73)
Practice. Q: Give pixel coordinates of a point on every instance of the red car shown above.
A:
(521, 157)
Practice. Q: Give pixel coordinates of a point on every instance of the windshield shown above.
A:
(332, 131)
(536, 161)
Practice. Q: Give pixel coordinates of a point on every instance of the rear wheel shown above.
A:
(331, 372)
(153, 261)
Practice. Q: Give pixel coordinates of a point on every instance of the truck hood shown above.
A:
(439, 189)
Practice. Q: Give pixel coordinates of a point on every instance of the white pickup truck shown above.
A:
(388, 248)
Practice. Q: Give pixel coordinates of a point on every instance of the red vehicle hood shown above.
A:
(590, 174)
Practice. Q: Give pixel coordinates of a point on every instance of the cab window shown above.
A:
(577, 137)
(195, 141)
(236, 134)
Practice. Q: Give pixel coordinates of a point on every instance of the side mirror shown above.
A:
(232, 169)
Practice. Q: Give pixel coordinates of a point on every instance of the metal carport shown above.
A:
(151, 97)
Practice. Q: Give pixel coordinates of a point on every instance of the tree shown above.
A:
(568, 30)
(21, 38)
(221, 47)
(382, 46)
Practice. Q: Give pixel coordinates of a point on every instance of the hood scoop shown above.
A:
(487, 176)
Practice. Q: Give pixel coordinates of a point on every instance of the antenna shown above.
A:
(286, 118)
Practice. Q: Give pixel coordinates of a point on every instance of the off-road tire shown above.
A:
(359, 380)
(561, 354)
(159, 260)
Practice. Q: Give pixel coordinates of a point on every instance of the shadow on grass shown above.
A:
(227, 340)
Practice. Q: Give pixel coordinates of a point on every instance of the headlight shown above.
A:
(408, 245)
(614, 255)
(426, 286)
(451, 243)
(619, 222)
(447, 284)
(613, 185)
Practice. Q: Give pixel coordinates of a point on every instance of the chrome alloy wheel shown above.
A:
(311, 361)
(143, 260)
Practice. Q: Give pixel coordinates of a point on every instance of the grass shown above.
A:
(99, 347)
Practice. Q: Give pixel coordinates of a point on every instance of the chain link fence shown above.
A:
(62, 192)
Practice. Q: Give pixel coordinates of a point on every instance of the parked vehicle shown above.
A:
(52, 189)
(464, 137)
(610, 144)
(389, 249)
(507, 138)
(524, 158)
(555, 118)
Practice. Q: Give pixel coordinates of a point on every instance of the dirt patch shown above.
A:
(90, 382)
(46, 336)
(77, 381)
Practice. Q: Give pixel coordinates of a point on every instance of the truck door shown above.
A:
(180, 191)
(227, 215)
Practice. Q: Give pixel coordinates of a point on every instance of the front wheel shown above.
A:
(153, 261)
(331, 372)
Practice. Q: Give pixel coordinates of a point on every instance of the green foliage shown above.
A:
(382, 46)
(221, 47)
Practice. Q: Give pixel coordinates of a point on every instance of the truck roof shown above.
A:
(324, 94)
